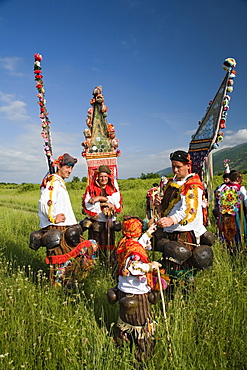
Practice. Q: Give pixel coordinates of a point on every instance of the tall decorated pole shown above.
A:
(45, 122)
(101, 144)
(209, 134)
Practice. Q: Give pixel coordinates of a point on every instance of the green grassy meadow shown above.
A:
(45, 328)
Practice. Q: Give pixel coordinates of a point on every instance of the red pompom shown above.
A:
(38, 57)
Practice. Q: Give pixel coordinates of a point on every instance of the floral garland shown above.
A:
(45, 122)
(52, 178)
(192, 205)
(50, 202)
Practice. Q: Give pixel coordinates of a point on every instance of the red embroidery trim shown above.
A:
(65, 257)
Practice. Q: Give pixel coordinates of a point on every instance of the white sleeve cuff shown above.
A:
(174, 219)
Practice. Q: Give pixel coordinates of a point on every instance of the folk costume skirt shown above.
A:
(137, 327)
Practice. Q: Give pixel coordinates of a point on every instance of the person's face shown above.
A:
(227, 179)
(103, 179)
(239, 179)
(64, 171)
(180, 169)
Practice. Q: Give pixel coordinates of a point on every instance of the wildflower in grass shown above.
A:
(5, 355)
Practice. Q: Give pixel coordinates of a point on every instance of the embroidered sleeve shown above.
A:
(116, 200)
(244, 195)
(144, 240)
(48, 201)
(174, 219)
(90, 209)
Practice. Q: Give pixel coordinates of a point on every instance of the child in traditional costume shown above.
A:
(134, 290)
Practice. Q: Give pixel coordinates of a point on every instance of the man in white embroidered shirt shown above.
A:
(59, 233)
(181, 235)
(54, 204)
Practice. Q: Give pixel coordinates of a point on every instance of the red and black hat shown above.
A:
(65, 160)
(180, 156)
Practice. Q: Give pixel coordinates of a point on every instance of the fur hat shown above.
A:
(104, 168)
(65, 160)
(180, 156)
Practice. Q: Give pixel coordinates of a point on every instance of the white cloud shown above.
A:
(13, 110)
(10, 64)
(234, 138)
(25, 160)
(6, 97)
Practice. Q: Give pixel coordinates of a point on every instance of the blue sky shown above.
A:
(159, 62)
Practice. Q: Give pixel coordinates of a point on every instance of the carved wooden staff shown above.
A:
(165, 317)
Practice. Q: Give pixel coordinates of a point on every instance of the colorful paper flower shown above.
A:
(42, 103)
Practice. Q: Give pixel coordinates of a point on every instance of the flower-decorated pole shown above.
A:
(45, 122)
(101, 144)
(209, 134)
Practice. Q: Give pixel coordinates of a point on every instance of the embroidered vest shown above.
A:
(172, 195)
(230, 199)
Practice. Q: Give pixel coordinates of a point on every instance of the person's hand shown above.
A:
(155, 265)
(152, 229)
(93, 200)
(157, 200)
(110, 206)
(60, 218)
(165, 222)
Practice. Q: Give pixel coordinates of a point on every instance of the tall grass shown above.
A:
(45, 328)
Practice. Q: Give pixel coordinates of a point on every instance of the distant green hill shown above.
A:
(167, 171)
(237, 155)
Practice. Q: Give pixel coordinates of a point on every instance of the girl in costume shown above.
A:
(135, 287)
